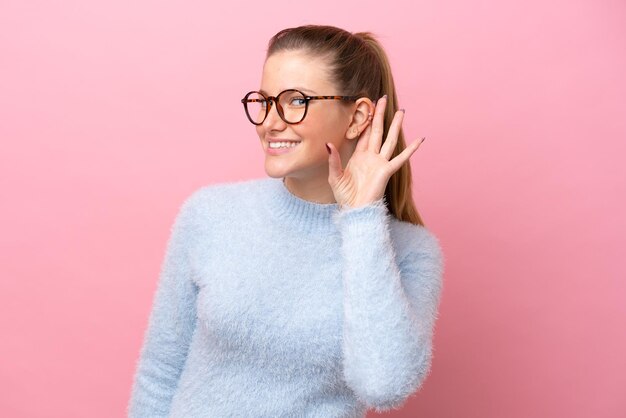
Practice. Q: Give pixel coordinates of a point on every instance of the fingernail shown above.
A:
(384, 97)
(422, 140)
(328, 148)
(402, 110)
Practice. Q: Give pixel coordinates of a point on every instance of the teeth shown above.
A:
(287, 144)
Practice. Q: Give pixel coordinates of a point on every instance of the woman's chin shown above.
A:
(276, 170)
(274, 175)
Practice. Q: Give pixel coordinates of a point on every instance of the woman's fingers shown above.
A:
(392, 136)
(406, 153)
(378, 124)
(335, 170)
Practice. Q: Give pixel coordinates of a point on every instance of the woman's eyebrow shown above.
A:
(304, 90)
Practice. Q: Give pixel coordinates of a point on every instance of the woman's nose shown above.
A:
(273, 119)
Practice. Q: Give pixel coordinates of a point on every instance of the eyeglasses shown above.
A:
(292, 105)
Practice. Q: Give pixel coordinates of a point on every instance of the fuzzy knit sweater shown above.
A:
(269, 305)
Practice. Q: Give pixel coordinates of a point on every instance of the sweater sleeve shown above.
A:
(170, 325)
(389, 307)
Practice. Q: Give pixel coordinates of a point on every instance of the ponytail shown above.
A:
(399, 192)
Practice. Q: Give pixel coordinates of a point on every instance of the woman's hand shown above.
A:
(366, 175)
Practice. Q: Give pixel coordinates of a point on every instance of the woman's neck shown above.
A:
(313, 190)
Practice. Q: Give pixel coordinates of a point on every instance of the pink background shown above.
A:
(111, 113)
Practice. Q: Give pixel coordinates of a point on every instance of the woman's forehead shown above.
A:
(295, 70)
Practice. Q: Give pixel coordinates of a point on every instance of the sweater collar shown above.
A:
(298, 212)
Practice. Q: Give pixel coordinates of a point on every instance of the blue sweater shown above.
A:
(269, 305)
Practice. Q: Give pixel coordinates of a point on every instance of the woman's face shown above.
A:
(325, 121)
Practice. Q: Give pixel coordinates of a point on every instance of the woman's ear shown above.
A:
(361, 117)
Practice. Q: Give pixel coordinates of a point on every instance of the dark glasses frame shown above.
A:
(276, 99)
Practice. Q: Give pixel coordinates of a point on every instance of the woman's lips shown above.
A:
(282, 150)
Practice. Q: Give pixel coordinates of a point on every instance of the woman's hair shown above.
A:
(360, 67)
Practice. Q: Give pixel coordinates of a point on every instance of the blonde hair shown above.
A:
(360, 67)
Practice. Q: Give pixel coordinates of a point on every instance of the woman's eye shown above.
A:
(298, 101)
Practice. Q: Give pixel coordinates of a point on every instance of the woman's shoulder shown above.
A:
(231, 189)
(226, 196)
(412, 238)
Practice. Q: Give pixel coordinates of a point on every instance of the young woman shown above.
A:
(312, 292)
